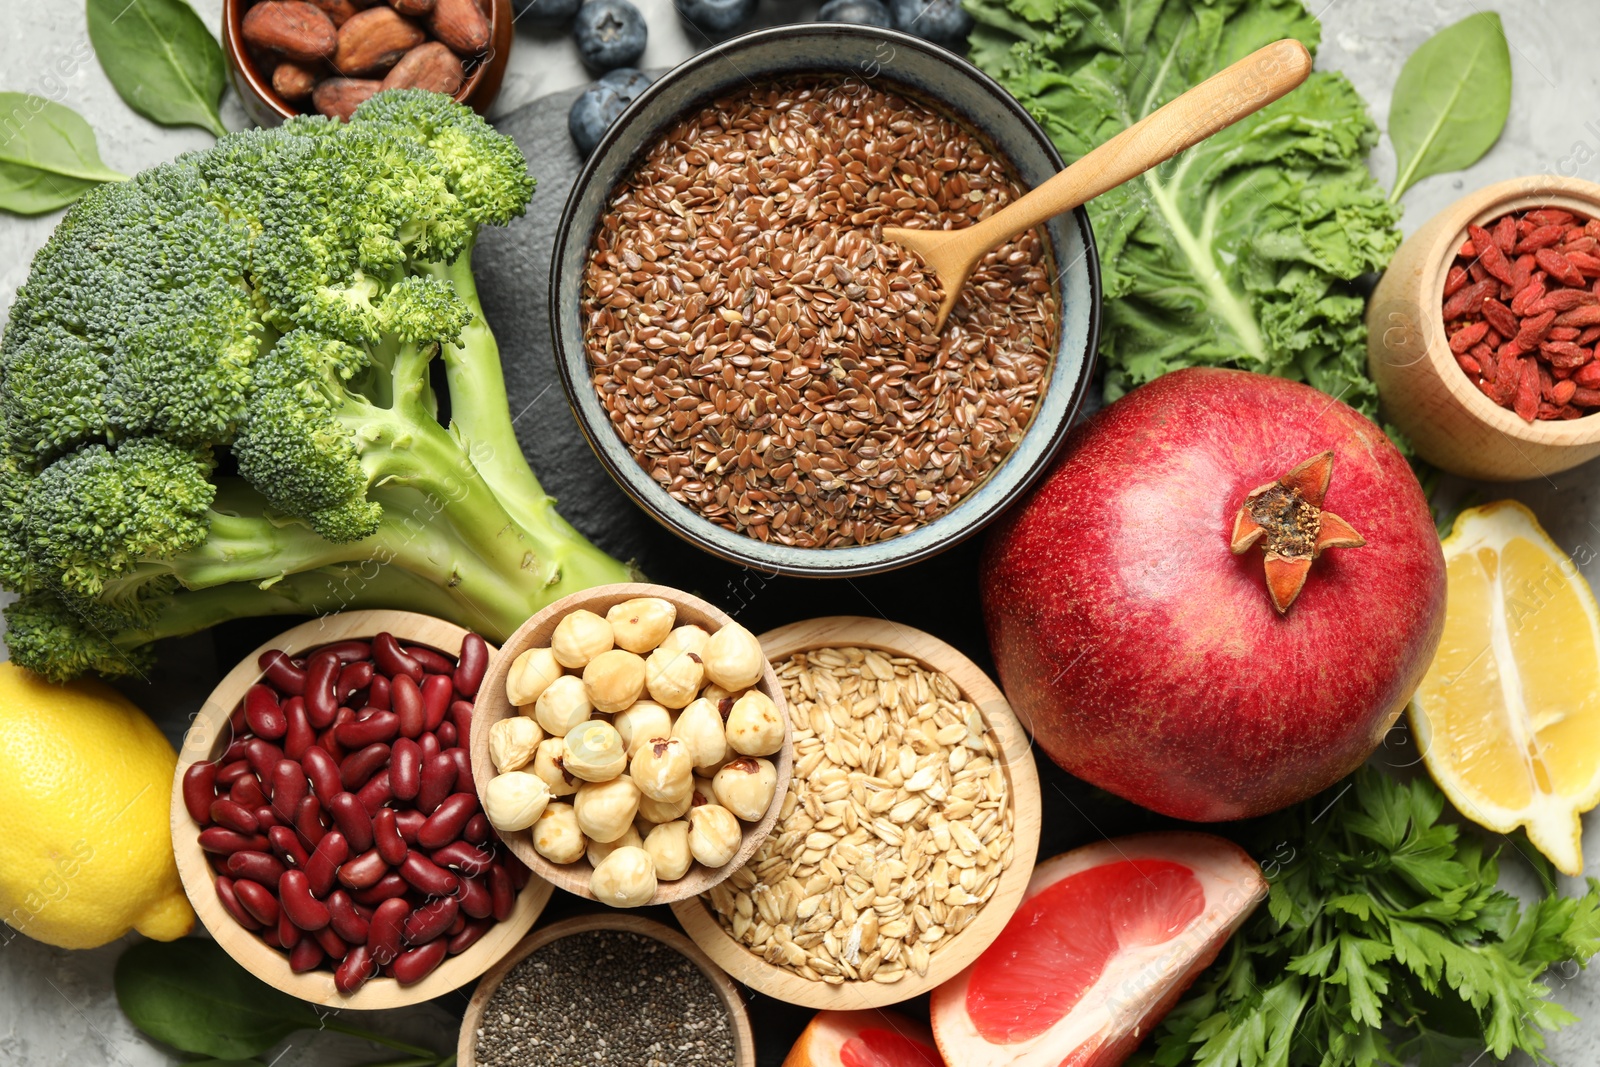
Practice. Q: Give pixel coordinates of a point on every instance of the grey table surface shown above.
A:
(57, 1007)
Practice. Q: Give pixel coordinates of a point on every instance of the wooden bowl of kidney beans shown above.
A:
(325, 821)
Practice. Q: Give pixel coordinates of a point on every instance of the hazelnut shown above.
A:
(755, 728)
(668, 845)
(640, 722)
(599, 850)
(512, 742)
(700, 729)
(514, 800)
(624, 879)
(745, 786)
(594, 752)
(614, 680)
(662, 769)
(556, 836)
(721, 698)
(531, 674)
(655, 811)
(606, 809)
(687, 638)
(714, 834)
(673, 678)
(549, 763)
(642, 623)
(703, 792)
(563, 705)
(733, 657)
(579, 637)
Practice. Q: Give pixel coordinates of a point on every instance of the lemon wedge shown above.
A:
(1508, 716)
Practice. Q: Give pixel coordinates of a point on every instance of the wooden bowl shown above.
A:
(744, 1045)
(492, 706)
(1451, 423)
(208, 734)
(1022, 778)
(266, 108)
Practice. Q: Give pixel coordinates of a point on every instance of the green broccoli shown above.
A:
(216, 396)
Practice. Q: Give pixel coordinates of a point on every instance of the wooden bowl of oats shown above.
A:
(898, 740)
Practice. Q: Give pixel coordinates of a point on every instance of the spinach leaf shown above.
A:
(1451, 101)
(191, 995)
(48, 155)
(161, 59)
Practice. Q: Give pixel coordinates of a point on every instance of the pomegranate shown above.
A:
(1220, 598)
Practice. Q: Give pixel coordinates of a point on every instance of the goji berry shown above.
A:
(1585, 263)
(1550, 216)
(1562, 333)
(1562, 392)
(1468, 336)
(1588, 375)
(1586, 398)
(1469, 301)
(1500, 317)
(1454, 279)
(1505, 234)
(1529, 295)
(1540, 237)
(1533, 330)
(1558, 267)
(1526, 402)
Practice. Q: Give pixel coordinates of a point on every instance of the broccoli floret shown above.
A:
(271, 306)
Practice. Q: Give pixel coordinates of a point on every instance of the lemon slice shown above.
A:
(1508, 716)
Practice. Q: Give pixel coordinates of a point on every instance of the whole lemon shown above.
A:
(86, 786)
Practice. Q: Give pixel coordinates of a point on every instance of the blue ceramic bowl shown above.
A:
(937, 77)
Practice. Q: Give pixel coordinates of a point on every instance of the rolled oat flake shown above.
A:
(605, 997)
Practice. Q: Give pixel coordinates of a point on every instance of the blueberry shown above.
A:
(715, 17)
(610, 33)
(941, 21)
(600, 105)
(858, 12)
(547, 13)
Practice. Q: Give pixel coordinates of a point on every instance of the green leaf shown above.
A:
(48, 155)
(1451, 100)
(161, 59)
(191, 995)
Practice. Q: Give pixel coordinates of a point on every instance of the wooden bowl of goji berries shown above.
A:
(1484, 331)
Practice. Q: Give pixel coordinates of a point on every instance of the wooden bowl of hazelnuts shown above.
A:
(630, 744)
(294, 57)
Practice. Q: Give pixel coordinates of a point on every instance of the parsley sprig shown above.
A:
(1384, 940)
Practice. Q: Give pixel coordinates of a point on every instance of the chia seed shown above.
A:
(605, 997)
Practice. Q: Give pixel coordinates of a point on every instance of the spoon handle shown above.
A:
(1216, 103)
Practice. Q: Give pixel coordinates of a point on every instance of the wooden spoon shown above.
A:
(1215, 104)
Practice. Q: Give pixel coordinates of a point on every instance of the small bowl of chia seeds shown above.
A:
(606, 990)
(749, 358)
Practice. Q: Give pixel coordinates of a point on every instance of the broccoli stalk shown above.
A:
(203, 319)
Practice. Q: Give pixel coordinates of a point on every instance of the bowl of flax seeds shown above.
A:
(749, 358)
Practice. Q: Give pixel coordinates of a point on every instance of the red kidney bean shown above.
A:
(463, 857)
(258, 901)
(469, 935)
(346, 922)
(303, 909)
(351, 651)
(386, 837)
(330, 942)
(266, 818)
(199, 789)
(380, 694)
(519, 870)
(289, 788)
(448, 820)
(461, 716)
(476, 900)
(236, 723)
(437, 689)
(306, 956)
(438, 782)
(325, 862)
(412, 967)
(353, 677)
(431, 920)
(379, 726)
(407, 701)
(323, 772)
(432, 662)
(430, 743)
(231, 771)
(501, 893)
(477, 829)
(427, 876)
(446, 735)
(234, 816)
(298, 734)
(405, 768)
(321, 701)
(289, 935)
(231, 904)
(235, 749)
(354, 970)
(376, 793)
(270, 938)
(385, 928)
(262, 712)
(262, 757)
(471, 665)
(248, 792)
(392, 660)
(262, 868)
(359, 767)
(389, 886)
(456, 927)
(226, 842)
(364, 871)
(329, 741)
(280, 670)
(408, 822)
(352, 820)
(463, 762)
(286, 843)
(308, 822)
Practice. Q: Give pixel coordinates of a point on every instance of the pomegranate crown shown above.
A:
(1288, 518)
